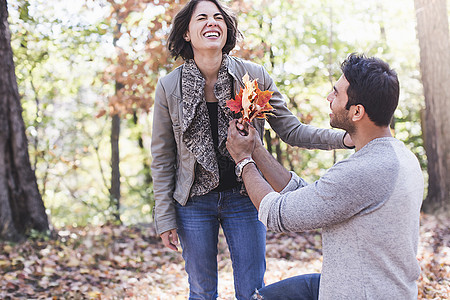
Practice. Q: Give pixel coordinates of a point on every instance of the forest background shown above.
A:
(86, 72)
(70, 57)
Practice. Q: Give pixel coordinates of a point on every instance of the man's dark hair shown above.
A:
(372, 84)
(178, 46)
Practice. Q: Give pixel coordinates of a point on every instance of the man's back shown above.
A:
(369, 208)
(374, 252)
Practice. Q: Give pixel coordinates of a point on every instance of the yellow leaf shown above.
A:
(48, 271)
(9, 277)
(246, 96)
(88, 258)
(4, 263)
(94, 295)
(73, 262)
(253, 102)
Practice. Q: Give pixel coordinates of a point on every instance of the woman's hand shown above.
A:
(170, 239)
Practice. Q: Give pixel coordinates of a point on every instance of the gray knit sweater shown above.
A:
(368, 206)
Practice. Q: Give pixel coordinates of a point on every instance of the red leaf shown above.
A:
(235, 105)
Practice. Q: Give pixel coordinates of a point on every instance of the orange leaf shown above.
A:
(251, 101)
(263, 97)
(101, 113)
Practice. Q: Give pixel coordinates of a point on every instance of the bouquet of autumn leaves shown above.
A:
(251, 101)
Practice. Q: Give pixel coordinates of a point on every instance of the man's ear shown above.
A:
(358, 112)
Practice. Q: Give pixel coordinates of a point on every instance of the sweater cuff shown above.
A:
(343, 138)
(265, 205)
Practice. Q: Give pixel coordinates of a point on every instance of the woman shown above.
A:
(195, 186)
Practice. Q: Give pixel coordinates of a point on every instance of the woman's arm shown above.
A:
(163, 148)
(292, 131)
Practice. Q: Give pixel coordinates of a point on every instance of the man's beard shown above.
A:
(341, 121)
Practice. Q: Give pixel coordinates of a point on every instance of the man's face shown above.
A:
(338, 98)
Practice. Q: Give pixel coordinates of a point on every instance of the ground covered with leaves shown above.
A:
(118, 262)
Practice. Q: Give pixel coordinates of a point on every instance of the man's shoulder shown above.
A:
(378, 158)
(381, 161)
(381, 149)
(389, 151)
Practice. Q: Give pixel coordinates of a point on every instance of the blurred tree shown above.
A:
(434, 42)
(299, 46)
(59, 49)
(140, 57)
(21, 206)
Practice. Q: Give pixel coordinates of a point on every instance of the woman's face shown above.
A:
(207, 29)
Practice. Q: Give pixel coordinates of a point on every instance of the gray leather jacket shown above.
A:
(173, 165)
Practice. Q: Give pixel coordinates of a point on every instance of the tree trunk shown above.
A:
(114, 191)
(278, 151)
(115, 170)
(434, 42)
(21, 206)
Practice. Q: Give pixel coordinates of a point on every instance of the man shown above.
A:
(368, 205)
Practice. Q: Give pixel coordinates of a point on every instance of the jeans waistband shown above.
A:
(234, 189)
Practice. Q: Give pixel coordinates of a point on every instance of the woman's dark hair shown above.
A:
(177, 44)
(372, 84)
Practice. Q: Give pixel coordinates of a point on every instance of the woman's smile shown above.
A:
(207, 28)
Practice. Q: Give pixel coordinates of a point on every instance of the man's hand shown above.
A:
(244, 128)
(240, 146)
(170, 239)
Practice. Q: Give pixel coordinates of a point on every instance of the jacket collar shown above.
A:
(192, 91)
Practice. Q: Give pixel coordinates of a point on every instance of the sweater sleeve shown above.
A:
(292, 131)
(335, 197)
(264, 208)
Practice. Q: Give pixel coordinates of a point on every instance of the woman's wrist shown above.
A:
(343, 141)
(242, 159)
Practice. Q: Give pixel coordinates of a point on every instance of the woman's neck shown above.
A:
(209, 65)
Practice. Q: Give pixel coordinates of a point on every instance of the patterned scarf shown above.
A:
(196, 127)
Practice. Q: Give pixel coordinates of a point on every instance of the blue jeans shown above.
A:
(198, 229)
(303, 287)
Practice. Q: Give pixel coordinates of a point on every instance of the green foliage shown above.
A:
(55, 67)
(64, 49)
(304, 43)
